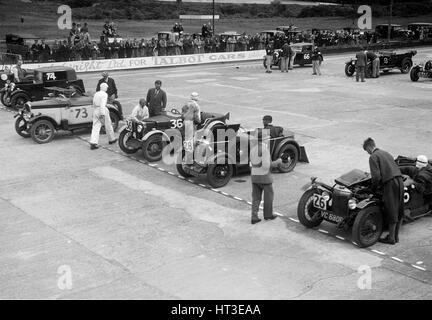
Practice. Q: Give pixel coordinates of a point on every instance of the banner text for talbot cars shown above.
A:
(154, 61)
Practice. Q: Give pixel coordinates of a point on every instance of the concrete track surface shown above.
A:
(118, 228)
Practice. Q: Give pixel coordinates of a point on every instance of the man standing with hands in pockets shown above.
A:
(101, 115)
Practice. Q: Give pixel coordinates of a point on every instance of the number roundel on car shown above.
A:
(176, 123)
(386, 60)
(407, 197)
(306, 56)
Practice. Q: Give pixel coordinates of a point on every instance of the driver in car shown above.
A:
(421, 175)
(140, 111)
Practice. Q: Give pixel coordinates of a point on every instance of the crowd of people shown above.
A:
(80, 45)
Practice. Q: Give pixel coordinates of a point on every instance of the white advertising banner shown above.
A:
(154, 62)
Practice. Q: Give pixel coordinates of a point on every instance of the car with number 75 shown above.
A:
(64, 109)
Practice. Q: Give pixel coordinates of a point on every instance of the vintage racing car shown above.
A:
(65, 109)
(149, 135)
(229, 155)
(421, 71)
(303, 55)
(36, 87)
(349, 203)
(388, 60)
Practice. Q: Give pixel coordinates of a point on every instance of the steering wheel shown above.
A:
(175, 111)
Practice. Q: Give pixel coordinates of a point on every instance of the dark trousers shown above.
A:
(257, 190)
(393, 193)
(360, 71)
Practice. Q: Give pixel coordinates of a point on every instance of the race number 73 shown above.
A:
(51, 76)
(82, 112)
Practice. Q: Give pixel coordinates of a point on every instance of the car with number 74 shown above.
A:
(64, 109)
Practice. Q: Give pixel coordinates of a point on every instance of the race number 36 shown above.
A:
(51, 76)
(365, 20)
(176, 123)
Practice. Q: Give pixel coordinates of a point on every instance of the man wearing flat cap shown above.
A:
(112, 89)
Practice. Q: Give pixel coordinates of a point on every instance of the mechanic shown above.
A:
(316, 58)
(101, 114)
(261, 177)
(269, 56)
(156, 100)
(361, 64)
(112, 89)
(375, 63)
(140, 111)
(386, 175)
(286, 56)
(18, 72)
(421, 174)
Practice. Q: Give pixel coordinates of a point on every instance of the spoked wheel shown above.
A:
(152, 148)
(218, 175)
(414, 74)
(406, 66)
(5, 100)
(289, 155)
(308, 215)
(349, 69)
(123, 142)
(42, 131)
(18, 100)
(21, 127)
(367, 227)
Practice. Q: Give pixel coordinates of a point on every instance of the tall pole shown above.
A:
(213, 16)
(390, 20)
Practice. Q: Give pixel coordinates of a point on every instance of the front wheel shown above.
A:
(218, 175)
(21, 127)
(18, 100)
(414, 74)
(308, 215)
(123, 140)
(290, 156)
(152, 148)
(349, 69)
(367, 227)
(5, 100)
(406, 66)
(42, 131)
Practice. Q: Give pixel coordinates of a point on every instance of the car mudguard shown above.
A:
(217, 156)
(367, 202)
(43, 117)
(301, 149)
(153, 132)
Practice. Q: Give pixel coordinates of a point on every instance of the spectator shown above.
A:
(162, 47)
(231, 44)
(45, 51)
(84, 29)
(35, 50)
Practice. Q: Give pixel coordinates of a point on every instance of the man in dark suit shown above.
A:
(361, 64)
(386, 177)
(112, 89)
(156, 100)
(267, 123)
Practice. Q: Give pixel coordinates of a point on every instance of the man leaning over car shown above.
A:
(375, 63)
(361, 64)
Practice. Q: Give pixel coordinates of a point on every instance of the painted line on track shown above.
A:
(155, 166)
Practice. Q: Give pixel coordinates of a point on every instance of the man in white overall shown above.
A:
(101, 117)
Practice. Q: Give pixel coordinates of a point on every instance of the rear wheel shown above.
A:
(114, 121)
(42, 131)
(123, 139)
(152, 148)
(367, 227)
(349, 69)
(218, 175)
(21, 127)
(308, 215)
(289, 155)
(406, 65)
(414, 74)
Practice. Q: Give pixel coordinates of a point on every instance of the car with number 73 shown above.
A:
(64, 109)
(150, 135)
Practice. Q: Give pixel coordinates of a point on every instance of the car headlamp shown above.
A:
(352, 204)
(326, 196)
(4, 77)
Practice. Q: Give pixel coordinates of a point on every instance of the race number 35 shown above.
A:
(176, 123)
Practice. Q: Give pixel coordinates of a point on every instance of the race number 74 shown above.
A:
(51, 76)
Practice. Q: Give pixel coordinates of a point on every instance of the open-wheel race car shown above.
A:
(389, 60)
(35, 85)
(65, 109)
(302, 51)
(221, 156)
(421, 71)
(350, 204)
(149, 135)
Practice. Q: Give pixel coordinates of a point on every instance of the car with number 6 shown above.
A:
(351, 204)
(64, 109)
(36, 88)
(302, 51)
(150, 134)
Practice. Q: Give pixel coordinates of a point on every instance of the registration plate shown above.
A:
(319, 202)
(331, 217)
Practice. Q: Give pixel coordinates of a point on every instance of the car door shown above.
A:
(78, 113)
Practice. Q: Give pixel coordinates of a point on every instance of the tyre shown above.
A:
(21, 127)
(367, 227)
(152, 148)
(123, 139)
(414, 74)
(406, 65)
(308, 215)
(3, 100)
(42, 131)
(114, 120)
(349, 69)
(19, 99)
(265, 63)
(291, 154)
(179, 167)
(218, 175)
